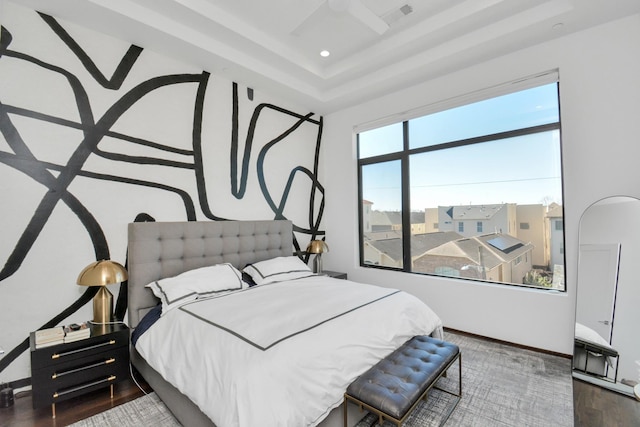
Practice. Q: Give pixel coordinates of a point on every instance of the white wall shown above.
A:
(600, 110)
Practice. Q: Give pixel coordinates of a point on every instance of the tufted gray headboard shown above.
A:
(165, 249)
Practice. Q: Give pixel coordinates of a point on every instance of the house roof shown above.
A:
(383, 235)
(471, 212)
(491, 255)
(420, 243)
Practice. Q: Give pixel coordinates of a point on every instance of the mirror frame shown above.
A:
(616, 386)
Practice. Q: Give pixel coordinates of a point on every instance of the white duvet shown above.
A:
(281, 354)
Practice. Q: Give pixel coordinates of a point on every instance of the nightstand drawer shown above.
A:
(70, 392)
(76, 371)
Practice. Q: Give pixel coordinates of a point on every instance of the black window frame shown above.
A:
(404, 157)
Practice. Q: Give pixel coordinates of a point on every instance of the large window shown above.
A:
(493, 165)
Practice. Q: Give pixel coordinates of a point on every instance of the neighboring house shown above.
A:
(386, 248)
(387, 252)
(418, 225)
(555, 219)
(528, 224)
(431, 220)
(366, 215)
(392, 220)
(495, 257)
(383, 253)
(381, 221)
(532, 227)
(473, 220)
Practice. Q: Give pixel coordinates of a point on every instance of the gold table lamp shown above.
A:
(102, 273)
(317, 247)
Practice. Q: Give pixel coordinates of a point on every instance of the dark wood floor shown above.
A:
(22, 414)
(598, 407)
(593, 406)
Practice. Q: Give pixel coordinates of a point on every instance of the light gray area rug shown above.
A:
(144, 411)
(501, 386)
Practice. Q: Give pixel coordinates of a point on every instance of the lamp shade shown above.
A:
(102, 273)
(317, 247)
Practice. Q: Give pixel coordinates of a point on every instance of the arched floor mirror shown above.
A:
(607, 339)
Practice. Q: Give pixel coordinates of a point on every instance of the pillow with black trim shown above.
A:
(278, 270)
(198, 283)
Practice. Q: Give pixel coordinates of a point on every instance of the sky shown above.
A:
(522, 170)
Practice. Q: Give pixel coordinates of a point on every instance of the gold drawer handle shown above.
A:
(79, 350)
(82, 368)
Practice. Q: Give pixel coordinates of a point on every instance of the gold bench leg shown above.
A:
(344, 411)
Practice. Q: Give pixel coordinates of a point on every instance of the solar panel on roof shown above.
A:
(505, 243)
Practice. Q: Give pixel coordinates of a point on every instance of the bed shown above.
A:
(319, 358)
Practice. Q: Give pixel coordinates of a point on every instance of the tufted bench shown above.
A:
(393, 387)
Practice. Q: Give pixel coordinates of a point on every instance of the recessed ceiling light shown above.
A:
(325, 53)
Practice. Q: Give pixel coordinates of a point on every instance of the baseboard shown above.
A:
(15, 384)
(521, 346)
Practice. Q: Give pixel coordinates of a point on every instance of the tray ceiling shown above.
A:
(376, 46)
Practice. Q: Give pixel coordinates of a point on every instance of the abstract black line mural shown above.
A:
(122, 70)
(163, 139)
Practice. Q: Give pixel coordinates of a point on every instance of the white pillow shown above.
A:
(198, 283)
(277, 270)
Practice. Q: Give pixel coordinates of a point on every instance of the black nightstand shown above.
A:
(65, 371)
(335, 274)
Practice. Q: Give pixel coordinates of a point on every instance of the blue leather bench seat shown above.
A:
(393, 387)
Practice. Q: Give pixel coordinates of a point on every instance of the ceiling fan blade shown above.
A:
(367, 17)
